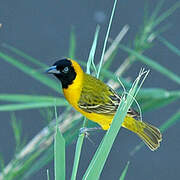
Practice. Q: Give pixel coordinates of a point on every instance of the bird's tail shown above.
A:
(148, 133)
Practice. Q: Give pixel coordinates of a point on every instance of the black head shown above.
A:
(64, 71)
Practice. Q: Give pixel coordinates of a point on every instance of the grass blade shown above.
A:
(81, 136)
(106, 38)
(59, 154)
(156, 93)
(77, 156)
(110, 75)
(29, 98)
(17, 131)
(2, 165)
(153, 64)
(24, 55)
(31, 72)
(18, 173)
(154, 98)
(97, 163)
(169, 45)
(44, 159)
(48, 178)
(157, 103)
(92, 52)
(166, 14)
(156, 11)
(123, 175)
(30, 105)
(170, 122)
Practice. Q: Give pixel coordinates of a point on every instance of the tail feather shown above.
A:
(148, 133)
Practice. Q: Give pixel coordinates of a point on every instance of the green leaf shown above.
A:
(106, 38)
(19, 172)
(97, 163)
(59, 154)
(157, 93)
(48, 178)
(156, 11)
(169, 45)
(157, 103)
(2, 165)
(77, 156)
(17, 130)
(81, 137)
(24, 55)
(154, 98)
(31, 72)
(123, 175)
(92, 52)
(108, 63)
(166, 14)
(44, 159)
(30, 105)
(29, 98)
(110, 75)
(170, 122)
(48, 155)
(153, 64)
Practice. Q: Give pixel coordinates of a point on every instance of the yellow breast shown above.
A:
(72, 93)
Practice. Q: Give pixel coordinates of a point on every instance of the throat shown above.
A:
(66, 83)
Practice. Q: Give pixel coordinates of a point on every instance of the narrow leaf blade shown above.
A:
(31, 72)
(153, 64)
(59, 155)
(123, 175)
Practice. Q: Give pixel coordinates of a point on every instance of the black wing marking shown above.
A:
(101, 103)
(131, 112)
(100, 99)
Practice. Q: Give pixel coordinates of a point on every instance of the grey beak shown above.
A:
(52, 70)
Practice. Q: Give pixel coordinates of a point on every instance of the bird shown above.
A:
(99, 102)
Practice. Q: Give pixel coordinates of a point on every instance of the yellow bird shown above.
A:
(99, 102)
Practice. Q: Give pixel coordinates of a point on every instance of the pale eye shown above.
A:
(66, 69)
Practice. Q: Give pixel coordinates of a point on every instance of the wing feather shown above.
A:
(97, 97)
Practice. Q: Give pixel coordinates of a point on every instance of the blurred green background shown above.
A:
(42, 29)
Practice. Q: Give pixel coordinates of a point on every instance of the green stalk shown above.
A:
(106, 39)
(81, 136)
(123, 175)
(24, 55)
(97, 163)
(153, 64)
(77, 156)
(31, 72)
(59, 153)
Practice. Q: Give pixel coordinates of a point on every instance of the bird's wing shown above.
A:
(100, 103)
(97, 97)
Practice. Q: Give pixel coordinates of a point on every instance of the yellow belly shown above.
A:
(102, 120)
